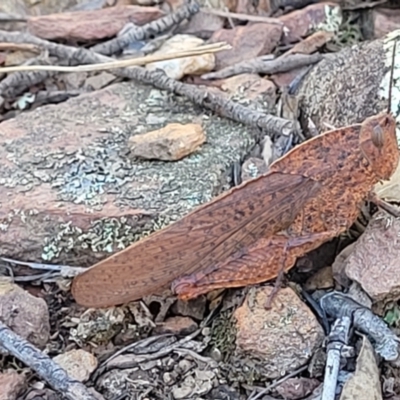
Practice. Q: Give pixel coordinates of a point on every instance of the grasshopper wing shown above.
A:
(237, 218)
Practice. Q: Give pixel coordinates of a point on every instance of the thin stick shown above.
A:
(20, 46)
(243, 17)
(206, 49)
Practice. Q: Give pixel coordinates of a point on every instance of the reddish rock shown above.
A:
(180, 67)
(311, 43)
(307, 46)
(247, 42)
(297, 388)
(279, 340)
(177, 326)
(11, 384)
(170, 143)
(26, 315)
(284, 79)
(385, 21)
(374, 261)
(251, 85)
(298, 24)
(203, 25)
(90, 25)
(78, 363)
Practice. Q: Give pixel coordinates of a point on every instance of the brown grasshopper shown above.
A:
(252, 232)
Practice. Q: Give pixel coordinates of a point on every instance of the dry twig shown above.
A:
(43, 365)
(242, 17)
(200, 50)
(270, 124)
(260, 66)
(155, 27)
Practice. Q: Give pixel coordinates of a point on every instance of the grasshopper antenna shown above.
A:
(391, 77)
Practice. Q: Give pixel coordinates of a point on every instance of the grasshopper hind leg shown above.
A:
(258, 263)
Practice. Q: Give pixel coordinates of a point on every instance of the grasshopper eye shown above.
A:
(378, 136)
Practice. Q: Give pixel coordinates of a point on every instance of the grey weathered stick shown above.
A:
(43, 365)
(338, 338)
(268, 123)
(143, 32)
(20, 81)
(337, 304)
(260, 66)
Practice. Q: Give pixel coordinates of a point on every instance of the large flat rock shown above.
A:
(71, 193)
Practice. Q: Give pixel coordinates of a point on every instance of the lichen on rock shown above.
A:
(71, 193)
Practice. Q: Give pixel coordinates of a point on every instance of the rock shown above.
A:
(98, 326)
(160, 303)
(307, 46)
(389, 190)
(177, 326)
(252, 168)
(203, 25)
(194, 308)
(92, 199)
(374, 262)
(277, 341)
(297, 388)
(384, 21)
(142, 315)
(18, 57)
(300, 23)
(180, 67)
(284, 79)
(366, 378)
(339, 265)
(90, 25)
(337, 92)
(253, 87)
(183, 367)
(79, 364)
(171, 143)
(226, 392)
(247, 42)
(194, 386)
(11, 383)
(120, 382)
(73, 80)
(24, 314)
(311, 43)
(99, 81)
(322, 279)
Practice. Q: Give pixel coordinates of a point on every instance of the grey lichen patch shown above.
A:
(347, 34)
(23, 215)
(388, 45)
(223, 334)
(333, 19)
(106, 235)
(99, 326)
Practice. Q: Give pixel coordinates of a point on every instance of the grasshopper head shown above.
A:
(378, 144)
